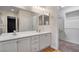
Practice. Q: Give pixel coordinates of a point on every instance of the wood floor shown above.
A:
(66, 46)
(50, 50)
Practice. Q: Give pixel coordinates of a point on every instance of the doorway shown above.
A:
(11, 24)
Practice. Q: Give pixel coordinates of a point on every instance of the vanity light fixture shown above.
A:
(39, 8)
(45, 11)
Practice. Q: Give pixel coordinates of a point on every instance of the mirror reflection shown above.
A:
(16, 19)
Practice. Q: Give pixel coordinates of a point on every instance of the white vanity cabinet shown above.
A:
(45, 41)
(8, 46)
(23, 45)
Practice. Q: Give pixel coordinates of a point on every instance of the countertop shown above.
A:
(11, 36)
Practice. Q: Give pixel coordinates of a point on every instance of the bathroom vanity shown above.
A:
(30, 41)
(24, 30)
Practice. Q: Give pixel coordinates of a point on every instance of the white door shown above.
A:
(8, 46)
(24, 45)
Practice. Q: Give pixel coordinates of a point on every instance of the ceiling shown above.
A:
(16, 8)
(26, 8)
(8, 8)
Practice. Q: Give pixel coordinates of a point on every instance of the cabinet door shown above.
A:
(8, 46)
(44, 41)
(35, 43)
(24, 45)
(48, 39)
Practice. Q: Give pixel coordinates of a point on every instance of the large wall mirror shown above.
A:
(16, 19)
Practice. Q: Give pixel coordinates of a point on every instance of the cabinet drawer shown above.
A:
(48, 35)
(35, 40)
(35, 45)
(42, 36)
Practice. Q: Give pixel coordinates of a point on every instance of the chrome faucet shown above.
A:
(14, 32)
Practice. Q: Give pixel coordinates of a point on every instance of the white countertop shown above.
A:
(10, 36)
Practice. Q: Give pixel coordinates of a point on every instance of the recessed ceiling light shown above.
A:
(12, 10)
